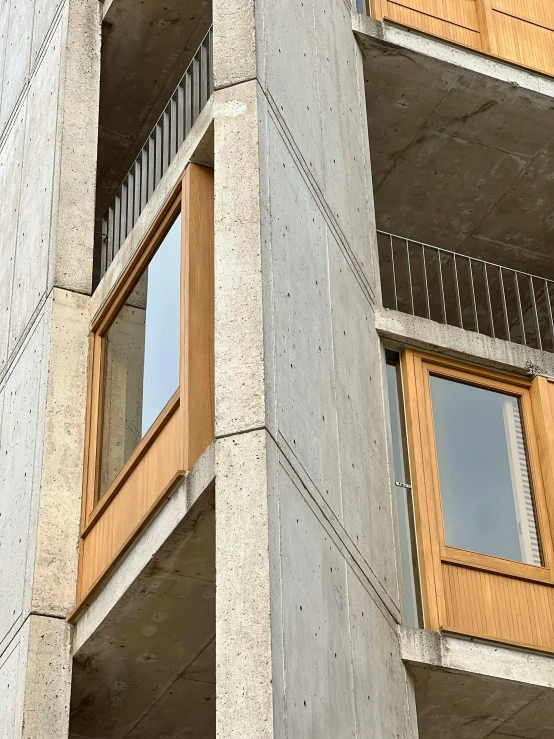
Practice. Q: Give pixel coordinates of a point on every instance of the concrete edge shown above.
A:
(421, 333)
(370, 31)
(145, 547)
(443, 651)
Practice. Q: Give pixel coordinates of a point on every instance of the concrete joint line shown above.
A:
(29, 328)
(336, 531)
(240, 433)
(319, 198)
(25, 89)
(235, 83)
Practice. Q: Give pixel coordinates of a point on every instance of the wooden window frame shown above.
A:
(417, 367)
(188, 418)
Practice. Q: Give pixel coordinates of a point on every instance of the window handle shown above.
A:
(402, 485)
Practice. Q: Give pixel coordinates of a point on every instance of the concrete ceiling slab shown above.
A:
(460, 159)
(463, 705)
(150, 666)
(146, 48)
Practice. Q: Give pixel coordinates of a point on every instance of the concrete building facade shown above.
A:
(232, 501)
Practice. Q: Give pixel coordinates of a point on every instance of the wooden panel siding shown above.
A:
(518, 31)
(465, 592)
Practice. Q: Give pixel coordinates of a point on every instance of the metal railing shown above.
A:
(462, 291)
(159, 150)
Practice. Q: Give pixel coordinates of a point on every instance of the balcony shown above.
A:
(518, 32)
(158, 151)
(463, 291)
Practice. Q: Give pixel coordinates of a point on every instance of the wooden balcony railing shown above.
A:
(518, 31)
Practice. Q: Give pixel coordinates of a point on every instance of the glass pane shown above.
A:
(484, 475)
(142, 357)
(403, 501)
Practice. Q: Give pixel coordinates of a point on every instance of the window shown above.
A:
(141, 371)
(481, 451)
(486, 495)
(150, 411)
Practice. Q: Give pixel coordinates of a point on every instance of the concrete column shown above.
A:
(49, 69)
(307, 586)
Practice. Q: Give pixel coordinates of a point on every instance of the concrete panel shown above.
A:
(289, 64)
(45, 12)
(75, 176)
(11, 162)
(234, 42)
(383, 706)
(315, 611)
(17, 56)
(31, 261)
(347, 172)
(365, 475)
(4, 17)
(239, 361)
(21, 443)
(305, 385)
(10, 688)
(48, 684)
(55, 572)
(243, 613)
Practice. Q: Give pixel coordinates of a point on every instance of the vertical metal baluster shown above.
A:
(203, 75)
(535, 312)
(123, 215)
(473, 301)
(519, 310)
(166, 141)
(210, 62)
(457, 285)
(549, 309)
(410, 276)
(441, 287)
(180, 116)
(130, 203)
(188, 103)
(425, 282)
(151, 164)
(195, 88)
(116, 225)
(104, 247)
(138, 186)
(504, 305)
(109, 243)
(144, 177)
(158, 156)
(489, 304)
(393, 273)
(173, 128)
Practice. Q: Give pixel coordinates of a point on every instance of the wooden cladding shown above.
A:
(185, 426)
(466, 592)
(518, 31)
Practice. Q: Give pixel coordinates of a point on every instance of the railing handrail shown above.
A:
(158, 151)
(465, 256)
(514, 305)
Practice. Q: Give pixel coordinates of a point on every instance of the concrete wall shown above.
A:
(301, 454)
(48, 59)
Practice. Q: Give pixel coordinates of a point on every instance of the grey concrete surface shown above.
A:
(462, 147)
(149, 667)
(402, 329)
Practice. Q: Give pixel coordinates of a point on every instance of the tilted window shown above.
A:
(150, 408)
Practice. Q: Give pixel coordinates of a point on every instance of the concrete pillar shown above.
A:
(49, 75)
(307, 586)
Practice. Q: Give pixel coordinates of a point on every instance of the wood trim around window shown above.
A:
(186, 426)
(462, 591)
